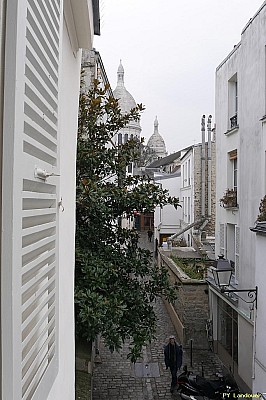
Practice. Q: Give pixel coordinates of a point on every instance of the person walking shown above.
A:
(173, 356)
(150, 233)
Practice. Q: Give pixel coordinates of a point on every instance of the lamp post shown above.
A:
(222, 274)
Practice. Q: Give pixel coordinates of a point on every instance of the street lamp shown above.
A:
(222, 273)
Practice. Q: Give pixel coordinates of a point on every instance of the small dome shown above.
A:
(156, 142)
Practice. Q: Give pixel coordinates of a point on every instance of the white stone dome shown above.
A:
(126, 103)
(126, 100)
(156, 142)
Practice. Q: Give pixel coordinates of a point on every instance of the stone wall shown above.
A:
(191, 305)
(197, 182)
(210, 227)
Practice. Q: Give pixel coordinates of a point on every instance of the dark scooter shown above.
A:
(194, 386)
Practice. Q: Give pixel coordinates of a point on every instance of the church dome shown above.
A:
(126, 100)
(156, 142)
(126, 103)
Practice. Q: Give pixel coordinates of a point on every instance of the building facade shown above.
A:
(238, 322)
(167, 220)
(168, 164)
(40, 82)
(182, 172)
(93, 69)
(197, 193)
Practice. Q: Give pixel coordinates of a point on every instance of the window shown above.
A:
(235, 174)
(230, 242)
(232, 102)
(188, 211)
(120, 138)
(232, 176)
(185, 216)
(228, 329)
(183, 208)
(237, 251)
(126, 137)
(188, 172)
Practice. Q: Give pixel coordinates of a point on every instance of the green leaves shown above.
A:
(116, 282)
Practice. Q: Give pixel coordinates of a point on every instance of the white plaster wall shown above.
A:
(260, 348)
(251, 109)
(187, 190)
(224, 143)
(248, 61)
(245, 359)
(168, 217)
(63, 387)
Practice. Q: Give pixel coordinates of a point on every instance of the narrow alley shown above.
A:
(115, 378)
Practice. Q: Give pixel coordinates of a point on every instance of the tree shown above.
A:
(146, 155)
(116, 282)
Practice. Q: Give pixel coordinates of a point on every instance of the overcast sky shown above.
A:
(170, 50)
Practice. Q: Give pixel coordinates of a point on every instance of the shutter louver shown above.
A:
(237, 249)
(222, 239)
(35, 343)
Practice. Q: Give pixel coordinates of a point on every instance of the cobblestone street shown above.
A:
(115, 377)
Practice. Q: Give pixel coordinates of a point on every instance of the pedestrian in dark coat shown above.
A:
(173, 355)
(150, 233)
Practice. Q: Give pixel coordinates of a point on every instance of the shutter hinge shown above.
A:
(43, 174)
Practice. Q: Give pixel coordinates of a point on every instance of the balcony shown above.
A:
(229, 199)
(233, 122)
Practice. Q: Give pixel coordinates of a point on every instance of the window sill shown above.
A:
(231, 208)
(232, 130)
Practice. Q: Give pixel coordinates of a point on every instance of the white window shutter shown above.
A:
(237, 251)
(223, 249)
(30, 201)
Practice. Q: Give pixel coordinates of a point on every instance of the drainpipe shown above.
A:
(209, 164)
(203, 166)
(254, 343)
(3, 5)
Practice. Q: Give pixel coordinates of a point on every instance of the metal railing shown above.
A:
(233, 121)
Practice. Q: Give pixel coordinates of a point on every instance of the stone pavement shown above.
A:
(115, 378)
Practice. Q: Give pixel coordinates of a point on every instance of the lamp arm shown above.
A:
(252, 294)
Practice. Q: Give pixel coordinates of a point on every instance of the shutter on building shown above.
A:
(30, 202)
(237, 249)
(223, 239)
(233, 154)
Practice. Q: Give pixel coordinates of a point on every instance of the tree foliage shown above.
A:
(116, 282)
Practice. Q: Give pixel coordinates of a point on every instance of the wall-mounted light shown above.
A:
(222, 273)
